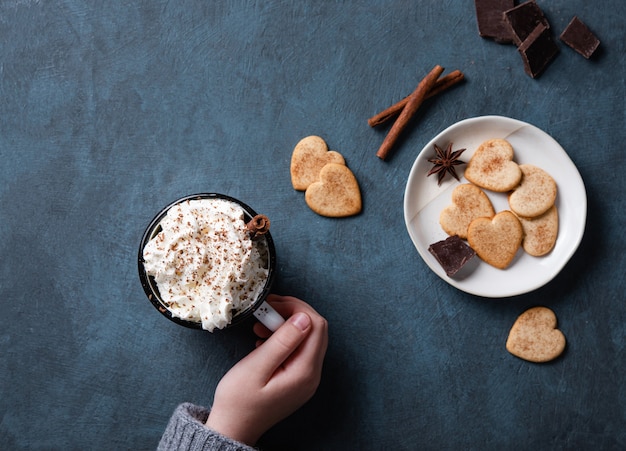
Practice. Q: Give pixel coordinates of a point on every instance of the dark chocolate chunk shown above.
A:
(523, 19)
(538, 50)
(490, 20)
(452, 254)
(579, 37)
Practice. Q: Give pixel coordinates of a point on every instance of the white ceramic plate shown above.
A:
(424, 200)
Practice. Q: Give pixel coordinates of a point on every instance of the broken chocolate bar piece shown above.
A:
(490, 20)
(523, 19)
(579, 37)
(538, 50)
(452, 254)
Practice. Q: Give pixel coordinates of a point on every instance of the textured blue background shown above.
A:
(110, 110)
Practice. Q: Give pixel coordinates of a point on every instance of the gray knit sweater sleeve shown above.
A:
(186, 431)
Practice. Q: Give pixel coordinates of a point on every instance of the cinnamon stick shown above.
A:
(441, 85)
(413, 103)
(258, 226)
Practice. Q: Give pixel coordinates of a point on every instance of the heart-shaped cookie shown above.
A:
(496, 240)
(535, 337)
(468, 203)
(336, 194)
(309, 156)
(492, 166)
(540, 233)
(535, 194)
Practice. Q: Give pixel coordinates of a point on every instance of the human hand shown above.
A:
(275, 379)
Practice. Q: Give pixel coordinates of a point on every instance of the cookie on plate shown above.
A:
(540, 233)
(496, 240)
(468, 203)
(492, 166)
(535, 194)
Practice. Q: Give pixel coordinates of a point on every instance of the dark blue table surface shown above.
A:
(110, 110)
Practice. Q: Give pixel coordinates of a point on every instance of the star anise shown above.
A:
(445, 162)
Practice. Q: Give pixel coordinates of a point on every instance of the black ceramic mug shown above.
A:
(259, 307)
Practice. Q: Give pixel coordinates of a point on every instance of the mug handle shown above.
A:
(268, 316)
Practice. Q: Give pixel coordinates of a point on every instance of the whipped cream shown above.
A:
(204, 262)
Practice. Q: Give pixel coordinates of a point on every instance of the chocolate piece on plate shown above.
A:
(538, 50)
(579, 37)
(523, 19)
(452, 254)
(490, 20)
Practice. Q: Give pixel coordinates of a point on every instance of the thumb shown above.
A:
(276, 349)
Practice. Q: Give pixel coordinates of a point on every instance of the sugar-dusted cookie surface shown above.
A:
(309, 156)
(496, 240)
(336, 193)
(540, 233)
(492, 166)
(535, 194)
(468, 203)
(535, 337)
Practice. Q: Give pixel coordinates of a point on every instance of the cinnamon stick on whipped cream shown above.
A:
(413, 103)
(258, 226)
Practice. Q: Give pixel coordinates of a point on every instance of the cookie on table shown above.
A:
(535, 336)
(309, 156)
(336, 193)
